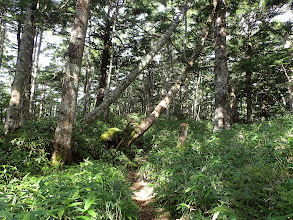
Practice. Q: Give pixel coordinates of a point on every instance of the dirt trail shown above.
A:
(143, 197)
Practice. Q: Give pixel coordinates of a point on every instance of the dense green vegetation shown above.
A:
(243, 173)
(32, 189)
(92, 90)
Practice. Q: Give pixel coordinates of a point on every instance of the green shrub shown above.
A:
(90, 190)
(243, 173)
(27, 149)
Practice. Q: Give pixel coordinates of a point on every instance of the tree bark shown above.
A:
(35, 72)
(164, 103)
(248, 86)
(108, 90)
(42, 102)
(290, 87)
(25, 110)
(23, 70)
(233, 105)
(91, 117)
(222, 112)
(195, 105)
(182, 139)
(105, 62)
(87, 85)
(2, 33)
(88, 73)
(18, 35)
(63, 134)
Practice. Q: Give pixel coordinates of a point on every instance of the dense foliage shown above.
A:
(32, 189)
(243, 173)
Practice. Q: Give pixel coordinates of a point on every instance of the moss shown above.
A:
(111, 134)
(56, 161)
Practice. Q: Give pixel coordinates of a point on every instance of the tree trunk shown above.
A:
(42, 103)
(165, 76)
(87, 85)
(233, 105)
(248, 87)
(35, 72)
(87, 78)
(18, 35)
(164, 103)
(2, 33)
(148, 91)
(132, 76)
(63, 134)
(23, 70)
(25, 110)
(2, 41)
(182, 139)
(105, 62)
(108, 90)
(195, 98)
(290, 88)
(222, 112)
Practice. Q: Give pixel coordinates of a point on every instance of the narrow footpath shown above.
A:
(143, 196)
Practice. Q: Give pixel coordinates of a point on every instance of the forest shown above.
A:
(143, 109)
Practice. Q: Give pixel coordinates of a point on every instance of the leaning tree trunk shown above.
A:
(23, 69)
(222, 112)
(91, 117)
(63, 134)
(164, 103)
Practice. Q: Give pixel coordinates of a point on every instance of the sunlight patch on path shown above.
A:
(143, 195)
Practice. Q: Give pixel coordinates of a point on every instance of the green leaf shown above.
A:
(61, 212)
(74, 204)
(92, 213)
(89, 201)
(27, 216)
(84, 217)
(182, 206)
(5, 214)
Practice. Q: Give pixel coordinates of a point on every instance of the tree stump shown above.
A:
(182, 139)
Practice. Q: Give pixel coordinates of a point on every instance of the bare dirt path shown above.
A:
(143, 197)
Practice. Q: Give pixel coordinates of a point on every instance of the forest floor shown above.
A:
(143, 195)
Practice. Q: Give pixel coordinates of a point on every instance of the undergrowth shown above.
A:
(94, 188)
(90, 190)
(243, 173)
